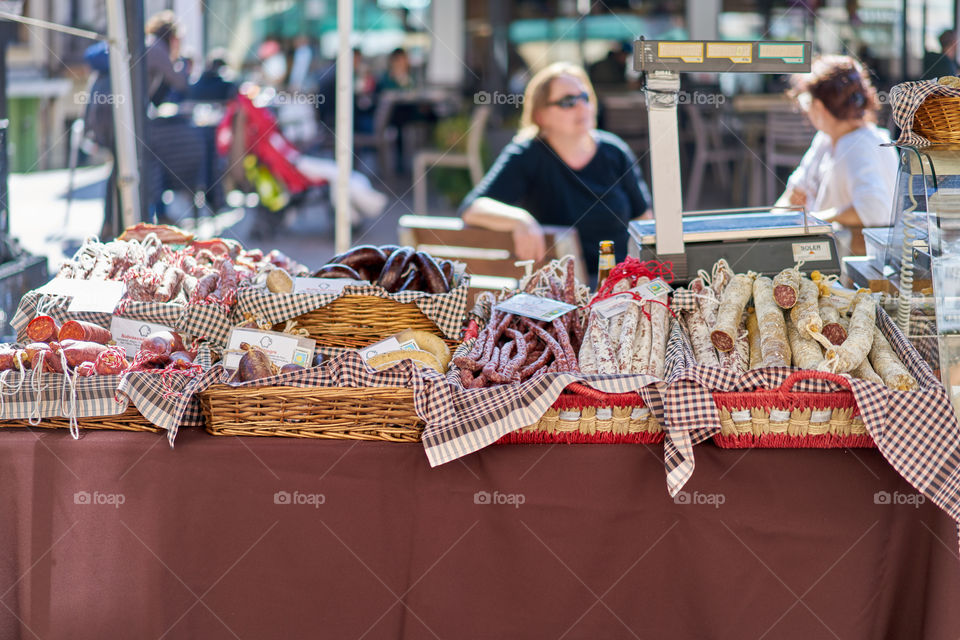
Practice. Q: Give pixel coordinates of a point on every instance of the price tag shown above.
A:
(614, 305)
(384, 346)
(324, 285)
(530, 306)
(128, 333)
(282, 348)
(653, 289)
(99, 296)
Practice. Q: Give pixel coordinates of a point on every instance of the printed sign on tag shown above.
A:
(614, 305)
(654, 288)
(384, 346)
(811, 251)
(282, 348)
(530, 306)
(324, 285)
(129, 334)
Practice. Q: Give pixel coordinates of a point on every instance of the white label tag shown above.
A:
(128, 333)
(324, 285)
(614, 305)
(99, 296)
(653, 289)
(545, 309)
(384, 346)
(282, 348)
(811, 251)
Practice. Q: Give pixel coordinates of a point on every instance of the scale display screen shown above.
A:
(721, 56)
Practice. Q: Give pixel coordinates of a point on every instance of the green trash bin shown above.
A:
(23, 135)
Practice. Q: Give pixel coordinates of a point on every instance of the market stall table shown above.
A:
(116, 535)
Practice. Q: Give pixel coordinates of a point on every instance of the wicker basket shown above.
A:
(129, 420)
(332, 413)
(938, 119)
(355, 321)
(582, 415)
(786, 419)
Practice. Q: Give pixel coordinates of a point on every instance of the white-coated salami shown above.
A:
(806, 312)
(774, 343)
(734, 299)
(659, 331)
(738, 360)
(888, 366)
(832, 329)
(643, 341)
(807, 353)
(786, 287)
(703, 349)
(753, 340)
(847, 356)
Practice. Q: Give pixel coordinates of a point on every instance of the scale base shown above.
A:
(766, 256)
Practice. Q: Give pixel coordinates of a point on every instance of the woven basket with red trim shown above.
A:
(786, 419)
(582, 415)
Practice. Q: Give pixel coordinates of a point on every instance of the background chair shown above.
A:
(471, 159)
(711, 148)
(787, 137)
(488, 254)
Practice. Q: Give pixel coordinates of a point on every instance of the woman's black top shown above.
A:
(599, 199)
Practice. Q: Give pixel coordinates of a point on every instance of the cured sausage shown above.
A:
(807, 353)
(888, 366)
(700, 338)
(806, 312)
(832, 329)
(732, 302)
(847, 356)
(786, 288)
(774, 343)
(753, 340)
(80, 330)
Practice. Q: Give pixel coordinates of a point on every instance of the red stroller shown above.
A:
(262, 160)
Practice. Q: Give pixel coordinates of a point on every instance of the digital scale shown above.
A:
(764, 240)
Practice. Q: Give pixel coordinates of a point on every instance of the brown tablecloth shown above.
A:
(369, 542)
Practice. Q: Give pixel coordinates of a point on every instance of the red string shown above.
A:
(634, 269)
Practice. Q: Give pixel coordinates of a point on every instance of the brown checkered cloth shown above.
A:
(916, 431)
(446, 310)
(906, 98)
(471, 419)
(210, 321)
(346, 370)
(32, 396)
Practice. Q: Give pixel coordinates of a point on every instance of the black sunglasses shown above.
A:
(570, 101)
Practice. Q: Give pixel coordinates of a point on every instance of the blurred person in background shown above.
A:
(937, 65)
(846, 177)
(561, 170)
(216, 82)
(611, 71)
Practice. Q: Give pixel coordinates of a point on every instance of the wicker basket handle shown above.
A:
(808, 374)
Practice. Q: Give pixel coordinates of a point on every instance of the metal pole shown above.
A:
(344, 125)
(128, 176)
(903, 43)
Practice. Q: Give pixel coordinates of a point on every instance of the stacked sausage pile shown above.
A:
(391, 267)
(795, 321)
(632, 341)
(87, 349)
(200, 272)
(511, 348)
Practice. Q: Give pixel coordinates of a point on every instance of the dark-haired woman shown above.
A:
(846, 177)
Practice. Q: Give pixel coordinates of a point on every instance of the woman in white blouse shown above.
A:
(845, 176)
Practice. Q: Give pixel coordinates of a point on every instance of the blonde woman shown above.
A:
(560, 170)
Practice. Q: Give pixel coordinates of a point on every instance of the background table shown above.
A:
(210, 542)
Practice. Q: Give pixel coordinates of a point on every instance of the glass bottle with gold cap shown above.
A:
(607, 261)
